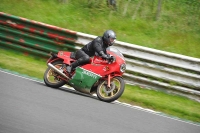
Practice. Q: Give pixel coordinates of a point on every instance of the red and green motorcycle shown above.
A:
(100, 76)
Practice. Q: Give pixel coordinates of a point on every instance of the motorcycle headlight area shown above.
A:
(122, 68)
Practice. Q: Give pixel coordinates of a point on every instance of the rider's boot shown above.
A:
(72, 66)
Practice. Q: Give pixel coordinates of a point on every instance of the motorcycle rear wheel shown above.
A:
(50, 76)
(114, 92)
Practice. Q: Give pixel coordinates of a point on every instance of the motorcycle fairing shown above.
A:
(65, 56)
(102, 67)
(84, 79)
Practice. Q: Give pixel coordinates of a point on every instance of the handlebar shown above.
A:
(111, 59)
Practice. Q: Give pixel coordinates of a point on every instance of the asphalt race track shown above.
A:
(28, 106)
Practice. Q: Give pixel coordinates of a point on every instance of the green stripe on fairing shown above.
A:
(84, 79)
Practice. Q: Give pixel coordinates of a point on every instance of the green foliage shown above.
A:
(177, 30)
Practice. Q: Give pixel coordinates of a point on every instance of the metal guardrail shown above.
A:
(33, 37)
(168, 72)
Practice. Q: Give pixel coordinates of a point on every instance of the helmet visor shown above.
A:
(112, 40)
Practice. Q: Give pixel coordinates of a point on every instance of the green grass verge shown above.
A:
(169, 104)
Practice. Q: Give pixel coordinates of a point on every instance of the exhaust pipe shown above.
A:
(57, 70)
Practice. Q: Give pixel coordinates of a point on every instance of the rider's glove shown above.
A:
(111, 59)
(107, 57)
(104, 56)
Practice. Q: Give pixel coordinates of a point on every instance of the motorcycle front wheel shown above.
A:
(111, 94)
(51, 77)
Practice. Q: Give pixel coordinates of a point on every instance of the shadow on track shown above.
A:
(65, 89)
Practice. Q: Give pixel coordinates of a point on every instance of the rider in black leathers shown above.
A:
(98, 45)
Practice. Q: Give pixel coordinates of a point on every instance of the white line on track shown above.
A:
(115, 102)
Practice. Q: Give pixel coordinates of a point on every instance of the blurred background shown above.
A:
(168, 25)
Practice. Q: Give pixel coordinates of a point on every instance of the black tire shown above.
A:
(50, 72)
(115, 91)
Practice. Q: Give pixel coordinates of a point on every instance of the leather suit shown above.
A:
(83, 55)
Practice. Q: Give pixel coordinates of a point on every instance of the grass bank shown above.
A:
(176, 30)
(170, 104)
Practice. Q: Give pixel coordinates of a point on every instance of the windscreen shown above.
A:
(116, 51)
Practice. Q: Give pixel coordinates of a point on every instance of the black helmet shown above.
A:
(109, 37)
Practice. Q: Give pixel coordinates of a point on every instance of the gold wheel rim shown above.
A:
(109, 93)
(52, 75)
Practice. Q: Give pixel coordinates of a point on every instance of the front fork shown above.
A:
(108, 81)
